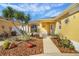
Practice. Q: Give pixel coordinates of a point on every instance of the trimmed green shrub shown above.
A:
(6, 44)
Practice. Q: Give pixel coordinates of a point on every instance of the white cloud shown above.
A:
(52, 13)
(32, 7)
(13, 6)
(28, 7)
(57, 4)
(35, 9)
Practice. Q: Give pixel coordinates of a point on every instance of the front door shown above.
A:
(51, 29)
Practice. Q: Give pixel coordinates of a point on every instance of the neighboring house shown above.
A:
(67, 24)
(6, 25)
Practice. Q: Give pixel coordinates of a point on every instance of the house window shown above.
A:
(34, 28)
(66, 21)
(59, 24)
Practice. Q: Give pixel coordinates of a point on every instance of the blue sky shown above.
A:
(37, 10)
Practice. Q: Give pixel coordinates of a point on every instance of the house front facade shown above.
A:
(46, 24)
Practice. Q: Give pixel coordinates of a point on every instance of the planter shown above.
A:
(64, 48)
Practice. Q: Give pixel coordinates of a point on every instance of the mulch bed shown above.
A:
(62, 49)
(23, 50)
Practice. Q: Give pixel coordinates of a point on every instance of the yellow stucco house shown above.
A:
(67, 25)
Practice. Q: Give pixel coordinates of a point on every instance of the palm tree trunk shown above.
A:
(17, 28)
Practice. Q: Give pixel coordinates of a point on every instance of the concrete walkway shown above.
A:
(49, 46)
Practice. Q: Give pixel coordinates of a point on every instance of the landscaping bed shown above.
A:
(22, 48)
(63, 48)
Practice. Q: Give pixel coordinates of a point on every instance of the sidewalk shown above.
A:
(49, 46)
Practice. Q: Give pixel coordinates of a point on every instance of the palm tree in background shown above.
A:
(20, 17)
(9, 13)
(26, 20)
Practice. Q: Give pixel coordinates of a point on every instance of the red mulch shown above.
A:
(62, 49)
(23, 50)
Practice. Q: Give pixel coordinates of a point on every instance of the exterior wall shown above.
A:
(70, 29)
(47, 26)
(57, 30)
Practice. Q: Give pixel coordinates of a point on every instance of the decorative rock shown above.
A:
(12, 45)
(30, 45)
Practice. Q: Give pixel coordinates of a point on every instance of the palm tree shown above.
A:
(8, 13)
(20, 17)
(27, 19)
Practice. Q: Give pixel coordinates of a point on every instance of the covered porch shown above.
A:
(42, 25)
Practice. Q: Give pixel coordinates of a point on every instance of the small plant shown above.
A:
(6, 44)
(65, 43)
(71, 46)
(23, 38)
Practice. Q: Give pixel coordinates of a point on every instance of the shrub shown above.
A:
(23, 38)
(23, 32)
(6, 44)
(71, 46)
(65, 42)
